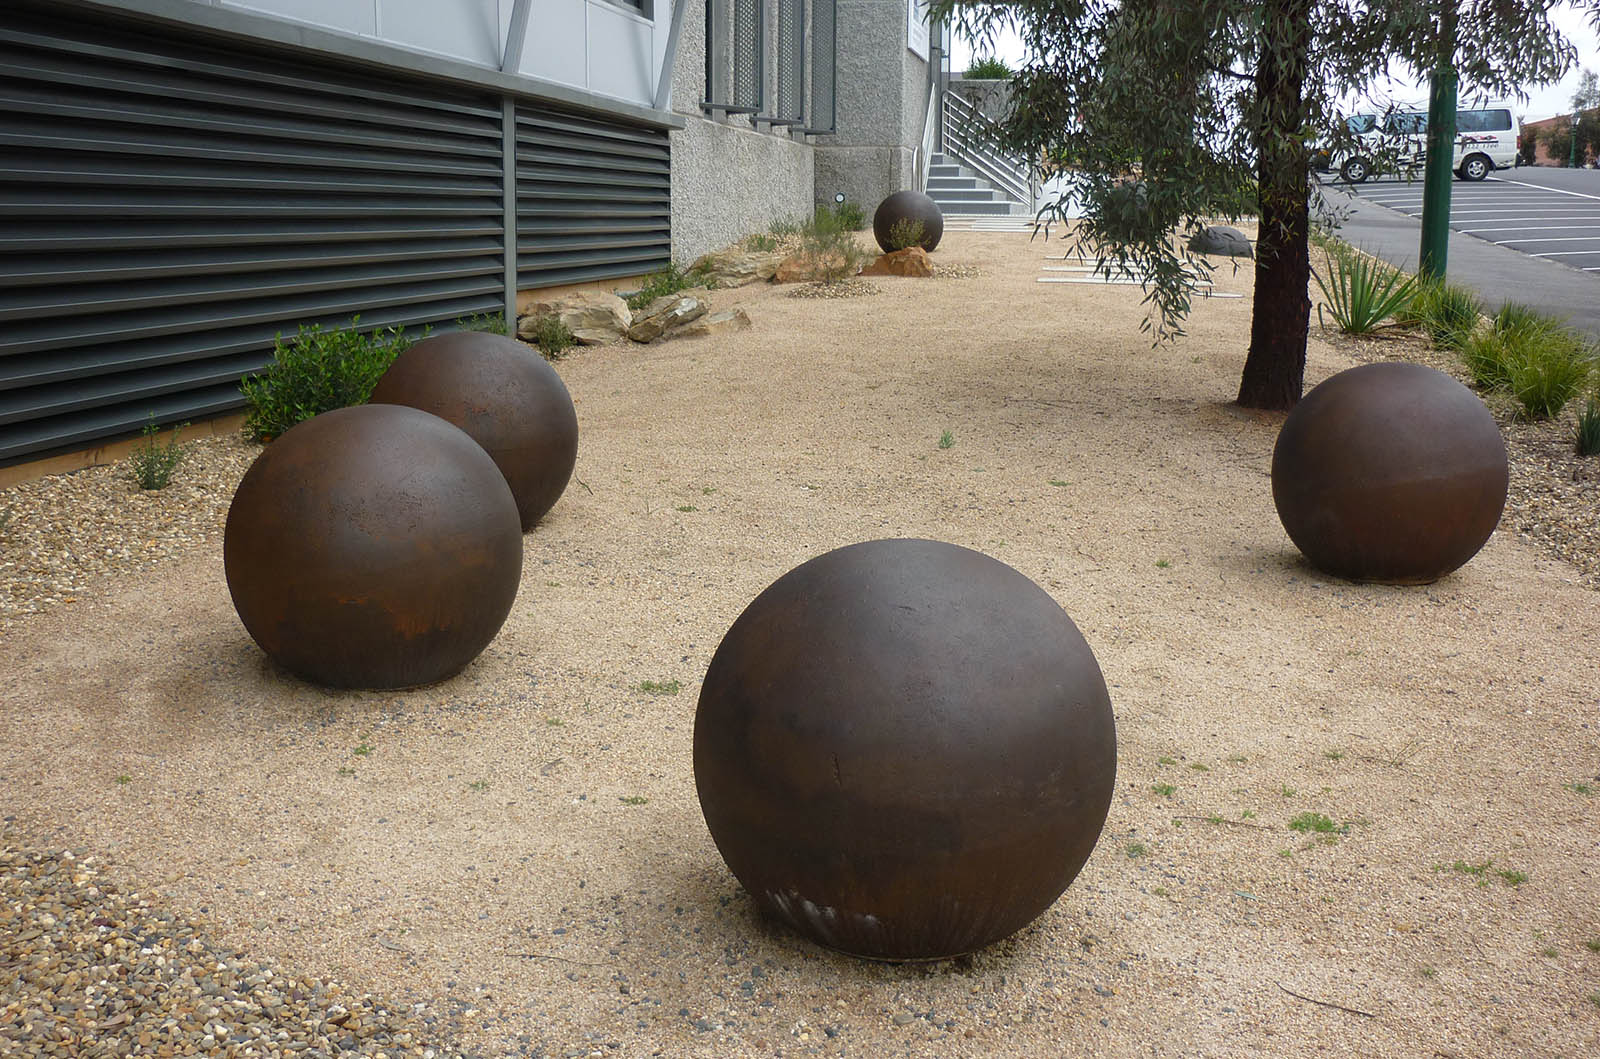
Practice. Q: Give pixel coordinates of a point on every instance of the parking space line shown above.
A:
(1550, 239)
(1554, 191)
(1549, 228)
(1566, 253)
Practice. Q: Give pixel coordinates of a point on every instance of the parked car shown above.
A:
(1486, 140)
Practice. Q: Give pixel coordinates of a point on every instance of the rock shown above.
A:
(593, 317)
(717, 324)
(809, 268)
(666, 314)
(734, 267)
(912, 261)
(1220, 239)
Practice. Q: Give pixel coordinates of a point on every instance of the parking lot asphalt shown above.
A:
(1525, 235)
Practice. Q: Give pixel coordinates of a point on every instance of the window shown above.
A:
(800, 88)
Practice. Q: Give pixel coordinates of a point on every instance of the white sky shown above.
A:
(1543, 100)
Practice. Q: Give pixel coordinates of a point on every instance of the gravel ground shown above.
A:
(516, 855)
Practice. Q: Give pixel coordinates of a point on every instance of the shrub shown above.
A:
(1485, 354)
(669, 280)
(151, 463)
(1515, 316)
(831, 246)
(552, 337)
(904, 233)
(317, 371)
(1448, 313)
(1364, 292)
(761, 243)
(1547, 369)
(493, 323)
(989, 68)
(851, 216)
(1589, 429)
(784, 228)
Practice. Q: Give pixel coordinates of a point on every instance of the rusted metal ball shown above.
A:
(1391, 472)
(908, 206)
(373, 547)
(503, 394)
(904, 750)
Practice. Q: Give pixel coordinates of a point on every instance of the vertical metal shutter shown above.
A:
(594, 198)
(169, 205)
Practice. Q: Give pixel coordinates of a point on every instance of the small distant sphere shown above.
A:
(1392, 473)
(904, 750)
(908, 206)
(506, 397)
(373, 547)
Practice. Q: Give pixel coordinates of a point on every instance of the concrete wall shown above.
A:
(883, 97)
(730, 178)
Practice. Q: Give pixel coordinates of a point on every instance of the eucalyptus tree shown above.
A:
(1173, 111)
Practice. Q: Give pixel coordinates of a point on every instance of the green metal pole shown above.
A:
(1441, 144)
(1437, 176)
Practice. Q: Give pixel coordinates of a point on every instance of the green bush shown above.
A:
(317, 371)
(904, 233)
(851, 216)
(989, 68)
(151, 463)
(1589, 429)
(1514, 316)
(552, 337)
(831, 245)
(761, 242)
(1547, 369)
(669, 280)
(493, 323)
(1364, 292)
(1448, 313)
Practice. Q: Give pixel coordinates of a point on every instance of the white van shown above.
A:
(1486, 140)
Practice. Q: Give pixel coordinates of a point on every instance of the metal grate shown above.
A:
(169, 204)
(749, 49)
(791, 63)
(822, 117)
(594, 198)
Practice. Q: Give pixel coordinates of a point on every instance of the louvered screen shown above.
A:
(821, 116)
(169, 205)
(791, 63)
(594, 198)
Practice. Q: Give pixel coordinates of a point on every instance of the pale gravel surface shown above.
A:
(467, 847)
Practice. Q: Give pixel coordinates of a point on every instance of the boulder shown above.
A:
(593, 317)
(734, 267)
(717, 323)
(666, 314)
(1220, 239)
(809, 268)
(912, 261)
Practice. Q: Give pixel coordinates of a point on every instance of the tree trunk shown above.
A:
(1274, 369)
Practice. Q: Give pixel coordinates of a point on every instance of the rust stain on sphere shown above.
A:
(1393, 473)
(904, 749)
(373, 547)
(908, 206)
(506, 397)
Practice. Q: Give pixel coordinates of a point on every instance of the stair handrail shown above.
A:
(973, 139)
(930, 129)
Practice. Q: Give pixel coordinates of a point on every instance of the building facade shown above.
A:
(181, 181)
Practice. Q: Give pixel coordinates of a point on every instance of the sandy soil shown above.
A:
(486, 845)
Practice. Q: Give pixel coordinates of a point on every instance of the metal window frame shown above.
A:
(820, 9)
(721, 68)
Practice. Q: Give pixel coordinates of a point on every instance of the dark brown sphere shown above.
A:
(904, 750)
(1389, 472)
(373, 547)
(503, 394)
(908, 206)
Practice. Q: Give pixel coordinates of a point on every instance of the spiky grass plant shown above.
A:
(1363, 292)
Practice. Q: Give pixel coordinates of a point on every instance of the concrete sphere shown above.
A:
(904, 750)
(373, 547)
(1389, 472)
(908, 206)
(506, 397)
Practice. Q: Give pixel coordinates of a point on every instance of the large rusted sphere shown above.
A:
(904, 749)
(503, 394)
(1389, 472)
(373, 547)
(908, 206)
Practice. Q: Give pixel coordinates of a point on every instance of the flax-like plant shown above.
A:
(1363, 293)
(1588, 433)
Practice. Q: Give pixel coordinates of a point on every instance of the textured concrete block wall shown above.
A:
(728, 179)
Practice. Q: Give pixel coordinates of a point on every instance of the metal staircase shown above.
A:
(971, 175)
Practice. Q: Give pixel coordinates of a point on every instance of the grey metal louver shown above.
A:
(594, 198)
(791, 103)
(169, 204)
(822, 114)
(736, 43)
